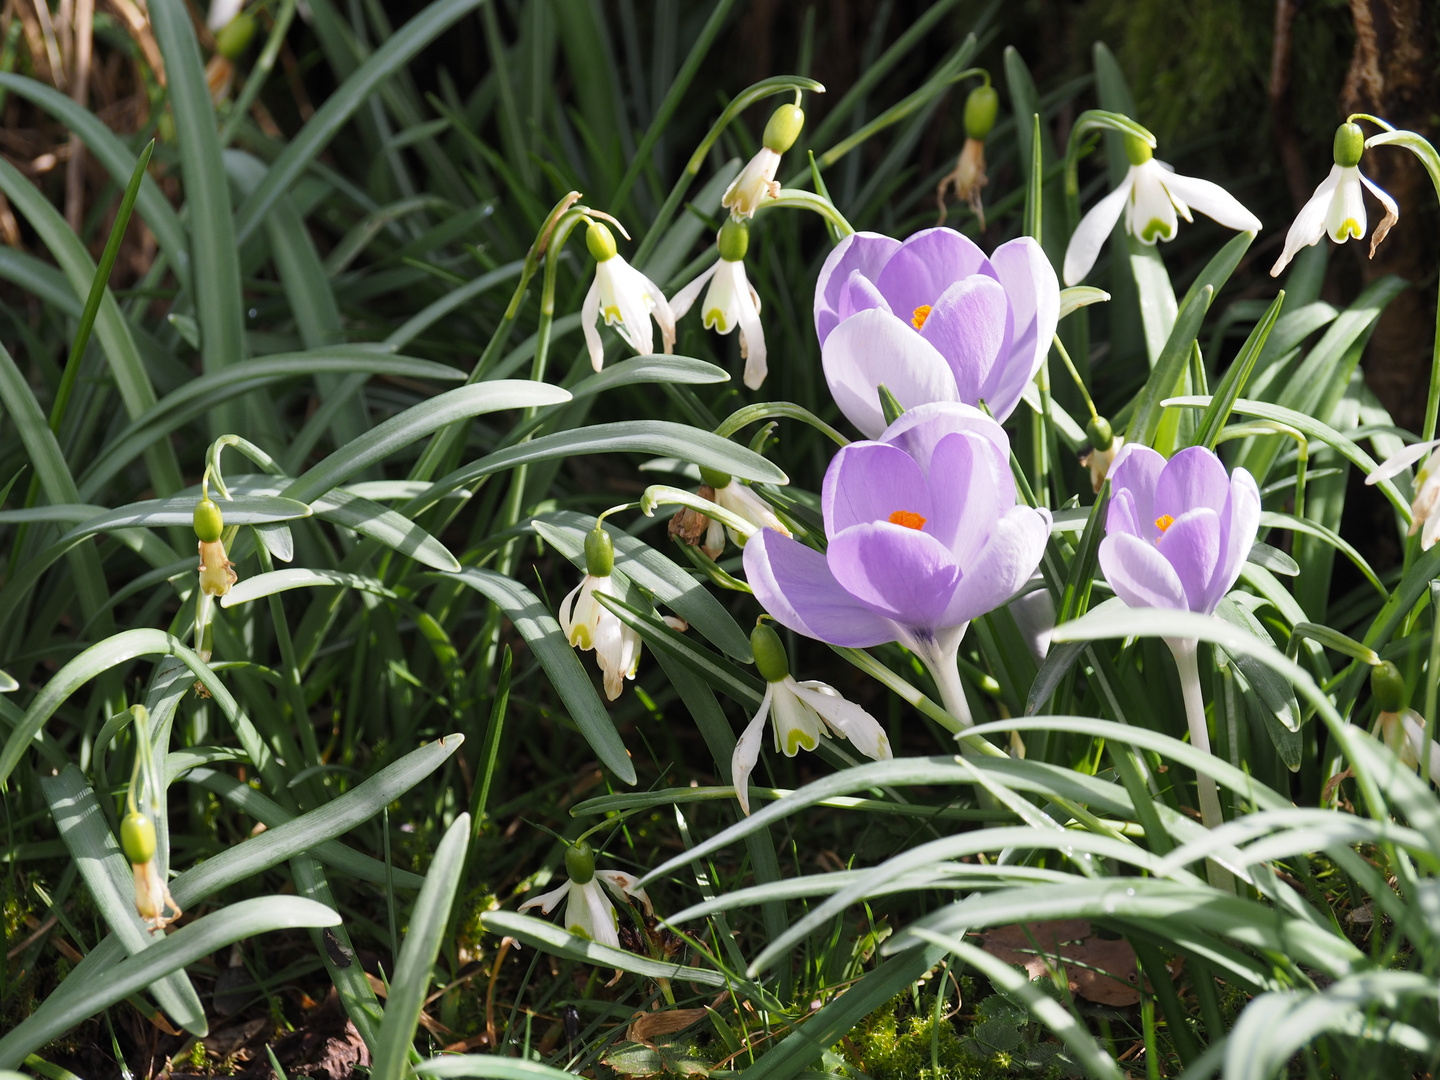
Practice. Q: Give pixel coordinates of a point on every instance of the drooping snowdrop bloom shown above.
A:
(1337, 208)
(1177, 532)
(152, 895)
(934, 320)
(1425, 507)
(1104, 446)
(731, 302)
(802, 712)
(589, 624)
(757, 180)
(729, 493)
(1151, 195)
(924, 535)
(588, 911)
(1402, 729)
(217, 572)
(625, 298)
(968, 176)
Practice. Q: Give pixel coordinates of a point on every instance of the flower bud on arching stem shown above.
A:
(1100, 434)
(137, 838)
(981, 108)
(714, 477)
(580, 862)
(600, 241)
(1388, 686)
(209, 522)
(733, 240)
(1349, 145)
(599, 553)
(783, 128)
(769, 652)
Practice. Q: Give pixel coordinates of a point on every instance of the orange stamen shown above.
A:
(922, 313)
(908, 518)
(1163, 522)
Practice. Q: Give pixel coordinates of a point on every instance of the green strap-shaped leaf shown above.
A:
(558, 940)
(1165, 377)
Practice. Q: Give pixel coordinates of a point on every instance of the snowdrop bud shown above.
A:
(600, 242)
(733, 240)
(599, 553)
(580, 863)
(1137, 150)
(714, 478)
(1100, 434)
(981, 108)
(1386, 682)
(783, 128)
(137, 838)
(209, 522)
(769, 653)
(1349, 144)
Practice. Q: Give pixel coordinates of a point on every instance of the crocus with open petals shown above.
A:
(1151, 195)
(1177, 532)
(924, 535)
(933, 319)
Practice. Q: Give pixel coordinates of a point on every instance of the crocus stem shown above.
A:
(952, 693)
(1210, 813)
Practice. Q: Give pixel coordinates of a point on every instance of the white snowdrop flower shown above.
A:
(743, 502)
(589, 624)
(802, 713)
(1425, 506)
(1337, 208)
(1104, 445)
(757, 179)
(625, 298)
(588, 911)
(731, 302)
(1151, 195)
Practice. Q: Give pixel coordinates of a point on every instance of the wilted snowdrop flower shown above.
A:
(217, 573)
(1425, 507)
(802, 712)
(731, 302)
(625, 298)
(1402, 729)
(1338, 208)
(588, 911)
(1151, 195)
(589, 624)
(1104, 445)
(729, 493)
(757, 180)
(968, 177)
(152, 895)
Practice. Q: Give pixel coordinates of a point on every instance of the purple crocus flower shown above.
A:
(924, 536)
(1177, 531)
(934, 320)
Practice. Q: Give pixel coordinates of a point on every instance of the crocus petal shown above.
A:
(1001, 568)
(925, 265)
(1239, 523)
(1212, 200)
(794, 584)
(1034, 293)
(1398, 463)
(920, 430)
(860, 294)
(752, 338)
(866, 252)
(1392, 213)
(1093, 230)
(1136, 469)
(1139, 574)
(685, 299)
(1309, 224)
(589, 316)
(747, 750)
(547, 901)
(1192, 478)
(873, 348)
(1191, 544)
(970, 326)
(971, 487)
(1150, 214)
(869, 481)
(845, 718)
(1345, 216)
(895, 571)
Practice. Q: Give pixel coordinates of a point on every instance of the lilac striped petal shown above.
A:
(794, 584)
(969, 324)
(920, 430)
(1004, 564)
(874, 347)
(898, 572)
(1191, 544)
(1120, 516)
(860, 294)
(1139, 574)
(866, 252)
(869, 481)
(1239, 522)
(1192, 478)
(1137, 469)
(965, 462)
(927, 264)
(1034, 293)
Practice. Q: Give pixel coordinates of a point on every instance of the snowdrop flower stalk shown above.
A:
(1177, 533)
(801, 714)
(217, 573)
(1151, 196)
(757, 180)
(968, 176)
(1337, 208)
(731, 302)
(1402, 729)
(590, 625)
(588, 911)
(625, 298)
(924, 535)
